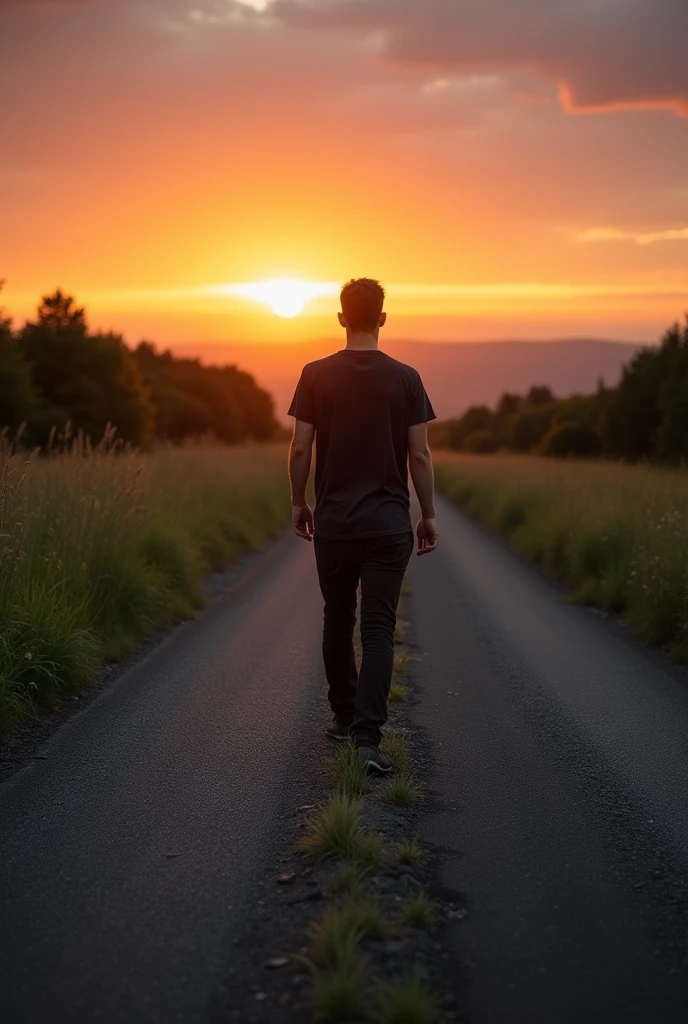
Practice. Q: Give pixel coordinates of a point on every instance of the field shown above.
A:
(616, 534)
(100, 547)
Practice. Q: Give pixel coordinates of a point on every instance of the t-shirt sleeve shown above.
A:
(303, 404)
(420, 410)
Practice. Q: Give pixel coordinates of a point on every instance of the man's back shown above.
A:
(368, 415)
(362, 403)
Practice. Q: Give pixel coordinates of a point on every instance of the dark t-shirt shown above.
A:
(361, 404)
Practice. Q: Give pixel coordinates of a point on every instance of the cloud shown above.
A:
(596, 55)
(638, 237)
(47, 3)
(601, 54)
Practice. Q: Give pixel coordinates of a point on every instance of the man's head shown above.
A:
(362, 300)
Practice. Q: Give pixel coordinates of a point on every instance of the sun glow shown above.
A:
(286, 296)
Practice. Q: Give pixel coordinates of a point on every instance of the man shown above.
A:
(368, 414)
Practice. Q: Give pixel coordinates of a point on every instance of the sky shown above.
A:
(508, 168)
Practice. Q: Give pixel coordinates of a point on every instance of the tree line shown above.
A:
(644, 417)
(55, 371)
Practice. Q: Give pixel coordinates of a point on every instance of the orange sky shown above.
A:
(531, 159)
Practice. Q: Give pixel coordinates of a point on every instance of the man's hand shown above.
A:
(302, 521)
(427, 536)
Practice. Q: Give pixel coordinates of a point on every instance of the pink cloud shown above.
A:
(616, 54)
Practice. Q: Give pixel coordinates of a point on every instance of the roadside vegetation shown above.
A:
(616, 534)
(345, 984)
(644, 417)
(55, 370)
(100, 546)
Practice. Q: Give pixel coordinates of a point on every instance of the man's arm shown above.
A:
(300, 454)
(420, 466)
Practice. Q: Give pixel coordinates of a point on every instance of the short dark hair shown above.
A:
(362, 300)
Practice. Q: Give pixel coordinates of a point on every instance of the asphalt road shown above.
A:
(560, 772)
(128, 855)
(559, 763)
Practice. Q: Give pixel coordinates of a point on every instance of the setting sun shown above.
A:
(286, 296)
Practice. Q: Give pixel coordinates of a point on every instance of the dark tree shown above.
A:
(539, 395)
(508, 408)
(91, 380)
(257, 405)
(531, 425)
(194, 400)
(571, 440)
(672, 437)
(477, 417)
(481, 442)
(509, 405)
(643, 417)
(671, 441)
(18, 400)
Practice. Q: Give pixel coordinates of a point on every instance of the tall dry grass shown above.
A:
(99, 546)
(617, 534)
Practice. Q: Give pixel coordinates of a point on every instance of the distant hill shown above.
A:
(456, 375)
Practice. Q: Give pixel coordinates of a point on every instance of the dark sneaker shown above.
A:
(374, 760)
(337, 731)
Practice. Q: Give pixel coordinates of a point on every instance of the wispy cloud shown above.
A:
(602, 56)
(637, 237)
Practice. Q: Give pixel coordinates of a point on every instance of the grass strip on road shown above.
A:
(616, 534)
(345, 985)
(402, 790)
(100, 547)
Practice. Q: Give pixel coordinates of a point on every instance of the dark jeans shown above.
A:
(379, 564)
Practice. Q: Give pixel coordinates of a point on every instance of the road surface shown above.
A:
(560, 764)
(129, 854)
(560, 753)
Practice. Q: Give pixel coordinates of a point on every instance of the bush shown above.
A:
(531, 426)
(571, 439)
(480, 442)
(477, 417)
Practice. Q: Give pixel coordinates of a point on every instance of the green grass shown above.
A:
(334, 938)
(403, 790)
(339, 992)
(353, 920)
(419, 912)
(369, 852)
(98, 547)
(348, 774)
(401, 661)
(396, 747)
(398, 693)
(366, 917)
(406, 1002)
(617, 535)
(343, 988)
(339, 972)
(349, 879)
(410, 852)
(335, 831)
